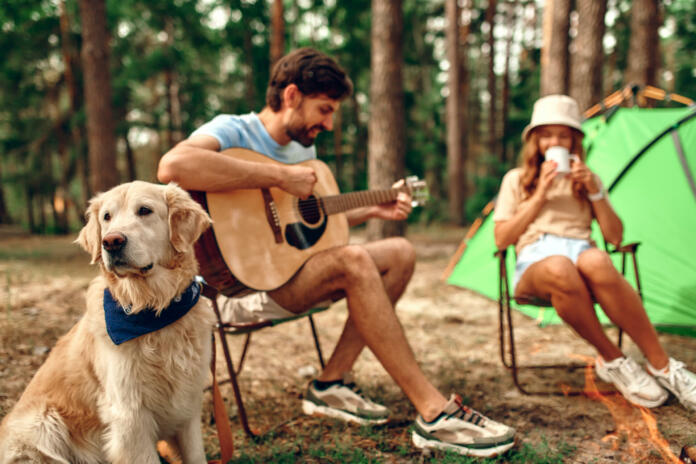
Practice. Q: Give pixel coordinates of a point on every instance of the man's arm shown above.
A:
(196, 164)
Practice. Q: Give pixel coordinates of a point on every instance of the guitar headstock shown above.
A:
(418, 189)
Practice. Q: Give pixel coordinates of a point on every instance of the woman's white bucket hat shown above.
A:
(554, 109)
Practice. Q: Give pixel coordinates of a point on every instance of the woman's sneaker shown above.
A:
(464, 431)
(632, 381)
(343, 400)
(680, 381)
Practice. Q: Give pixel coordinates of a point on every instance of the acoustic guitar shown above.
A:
(261, 237)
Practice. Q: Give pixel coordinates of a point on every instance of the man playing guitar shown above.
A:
(305, 90)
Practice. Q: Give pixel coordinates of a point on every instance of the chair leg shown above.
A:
(316, 340)
(232, 373)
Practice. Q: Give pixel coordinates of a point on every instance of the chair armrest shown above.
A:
(626, 248)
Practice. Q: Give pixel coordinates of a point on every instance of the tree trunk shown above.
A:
(100, 124)
(4, 214)
(338, 145)
(643, 49)
(454, 115)
(586, 71)
(175, 134)
(360, 150)
(386, 133)
(554, 52)
(77, 131)
(464, 117)
(277, 31)
(510, 20)
(492, 92)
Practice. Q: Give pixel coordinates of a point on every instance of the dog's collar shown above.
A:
(122, 326)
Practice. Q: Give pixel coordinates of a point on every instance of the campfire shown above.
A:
(635, 426)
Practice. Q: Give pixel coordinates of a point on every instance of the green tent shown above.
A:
(647, 160)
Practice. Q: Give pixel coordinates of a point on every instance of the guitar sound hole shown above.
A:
(309, 210)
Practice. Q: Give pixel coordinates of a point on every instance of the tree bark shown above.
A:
(586, 71)
(454, 115)
(175, 133)
(464, 102)
(492, 91)
(510, 21)
(100, 124)
(77, 131)
(277, 31)
(4, 214)
(386, 133)
(338, 145)
(643, 50)
(554, 52)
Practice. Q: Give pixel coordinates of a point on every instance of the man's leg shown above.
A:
(395, 260)
(371, 281)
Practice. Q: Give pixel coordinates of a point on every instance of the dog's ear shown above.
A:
(187, 219)
(90, 235)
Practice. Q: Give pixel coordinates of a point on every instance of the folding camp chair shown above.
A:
(508, 350)
(247, 328)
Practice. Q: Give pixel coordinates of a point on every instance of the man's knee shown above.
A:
(356, 263)
(404, 255)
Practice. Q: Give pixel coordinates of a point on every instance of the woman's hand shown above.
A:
(579, 172)
(547, 174)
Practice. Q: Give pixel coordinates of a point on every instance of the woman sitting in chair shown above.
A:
(545, 208)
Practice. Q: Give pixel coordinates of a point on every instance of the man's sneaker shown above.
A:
(343, 400)
(680, 381)
(464, 431)
(632, 381)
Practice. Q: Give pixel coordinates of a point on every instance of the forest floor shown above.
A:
(453, 333)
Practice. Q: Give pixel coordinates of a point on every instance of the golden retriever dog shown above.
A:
(113, 386)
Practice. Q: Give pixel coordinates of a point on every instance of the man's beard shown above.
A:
(301, 135)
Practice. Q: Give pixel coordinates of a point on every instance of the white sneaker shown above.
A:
(343, 400)
(680, 381)
(632, 381)
(462, 430)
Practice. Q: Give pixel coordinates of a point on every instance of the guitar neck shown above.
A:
(340, 203)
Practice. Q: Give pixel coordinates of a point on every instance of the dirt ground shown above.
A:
(452, 331)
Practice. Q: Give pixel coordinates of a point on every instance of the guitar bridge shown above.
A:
(272, 215)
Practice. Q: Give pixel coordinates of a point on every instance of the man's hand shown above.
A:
(298, 181)
(397, 210)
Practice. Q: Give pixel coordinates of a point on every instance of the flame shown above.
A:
(636, 423)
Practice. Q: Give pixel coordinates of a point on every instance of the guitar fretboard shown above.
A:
(339, 203)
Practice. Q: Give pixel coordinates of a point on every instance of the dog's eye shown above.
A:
(107, 217)
(144, 211)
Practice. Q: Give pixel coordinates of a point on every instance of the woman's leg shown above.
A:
(557, 279)
(621, 303)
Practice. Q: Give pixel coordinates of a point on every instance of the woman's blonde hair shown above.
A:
(531, 159)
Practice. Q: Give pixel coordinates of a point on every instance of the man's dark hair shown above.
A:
(312, 72)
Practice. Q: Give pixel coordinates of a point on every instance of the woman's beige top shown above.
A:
(562, 214)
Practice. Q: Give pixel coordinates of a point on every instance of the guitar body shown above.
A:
(252, 251)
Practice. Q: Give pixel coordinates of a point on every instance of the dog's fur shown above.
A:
(95, 402)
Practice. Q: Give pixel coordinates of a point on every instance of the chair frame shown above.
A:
(247, 328)
(505, 326)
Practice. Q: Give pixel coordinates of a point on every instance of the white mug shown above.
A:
(562, 157)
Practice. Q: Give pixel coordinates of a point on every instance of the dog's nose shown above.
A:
(114, 242)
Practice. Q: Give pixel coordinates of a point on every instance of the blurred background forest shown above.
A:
(93, 92)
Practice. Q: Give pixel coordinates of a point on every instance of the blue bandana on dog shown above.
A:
(123, 326)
